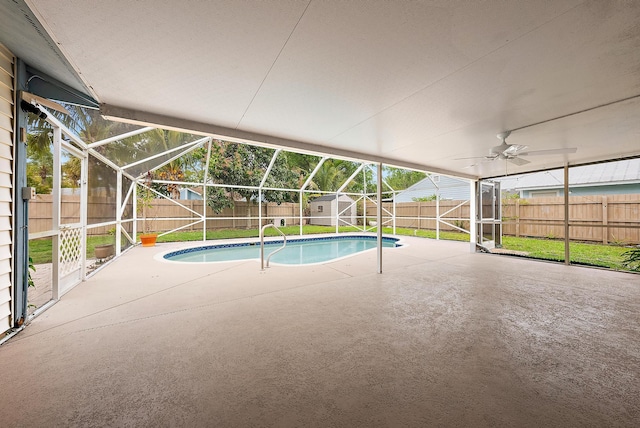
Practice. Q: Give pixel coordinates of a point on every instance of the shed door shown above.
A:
(6, 192)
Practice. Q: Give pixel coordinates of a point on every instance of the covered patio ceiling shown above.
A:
(417, 84)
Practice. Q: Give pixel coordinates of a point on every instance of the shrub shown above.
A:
(631, 259)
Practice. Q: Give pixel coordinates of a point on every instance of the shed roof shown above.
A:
(331, 198)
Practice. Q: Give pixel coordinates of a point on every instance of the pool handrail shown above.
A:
(262, 244)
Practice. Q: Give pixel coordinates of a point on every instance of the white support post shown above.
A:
(204, 191)
(567, 253)
(473, 201)
(84, 201)
(379, 217)
(134, 195)
(119, 213)
(300, 212)
(337, 212)
(364, 201)
(55, 214)
(437, 213)
(259, 208)
(394, 211)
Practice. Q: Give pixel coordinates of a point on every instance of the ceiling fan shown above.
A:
(512, 152)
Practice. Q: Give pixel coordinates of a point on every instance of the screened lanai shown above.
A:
(101, 185)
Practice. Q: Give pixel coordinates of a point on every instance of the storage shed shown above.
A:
(324, 210)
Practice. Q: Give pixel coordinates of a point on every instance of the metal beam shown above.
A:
(313, 173)
(66, 131)
(126, 115)
(346, 183)
(121, 137)
(273, 161)
(191, 146)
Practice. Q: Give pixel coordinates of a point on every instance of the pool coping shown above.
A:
(240, 242)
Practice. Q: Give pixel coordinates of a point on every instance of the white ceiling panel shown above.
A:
(419, 83)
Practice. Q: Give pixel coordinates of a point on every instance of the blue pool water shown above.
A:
(297, 251)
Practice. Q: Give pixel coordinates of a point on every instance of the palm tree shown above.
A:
(161, 140)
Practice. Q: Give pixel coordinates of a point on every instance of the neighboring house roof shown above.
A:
(447, 188)
(611, 173)
(331, 198)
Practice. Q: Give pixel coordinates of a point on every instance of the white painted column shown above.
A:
(84, 209)
(204, 193)
(259, 208)
(473, 201)
(55, 214)
(394, 211)
(300, 200)
(379, 217)
(134, 230)
(437, 213)
(364, 201)
(118, 234)
(567, 253)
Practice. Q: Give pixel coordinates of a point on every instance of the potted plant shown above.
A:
(104, 251)
(144, 201)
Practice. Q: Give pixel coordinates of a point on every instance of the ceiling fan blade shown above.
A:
(485, 158)
(518, 161)
(513, 149)
(549, 152)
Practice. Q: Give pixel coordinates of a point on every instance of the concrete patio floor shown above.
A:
(442, 338)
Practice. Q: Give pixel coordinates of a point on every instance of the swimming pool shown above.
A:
(297, 252)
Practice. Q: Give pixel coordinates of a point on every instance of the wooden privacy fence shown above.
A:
(243, 215)
(606, 219)
(597, 218)
(421, 215)
(164, 214)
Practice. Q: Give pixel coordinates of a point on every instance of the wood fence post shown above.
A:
(233, 215)
(517, 215)
(605, 220)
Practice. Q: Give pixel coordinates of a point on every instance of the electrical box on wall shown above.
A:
(28, 193)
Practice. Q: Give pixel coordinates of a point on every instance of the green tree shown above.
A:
(71, 172)
(161, 140)
(334, 173)
(400, 179)
(245, 165)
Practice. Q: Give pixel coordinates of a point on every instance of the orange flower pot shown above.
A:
(148, 240)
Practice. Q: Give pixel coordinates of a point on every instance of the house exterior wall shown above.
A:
(7, 127)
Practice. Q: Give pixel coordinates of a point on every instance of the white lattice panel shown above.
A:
(71, 248)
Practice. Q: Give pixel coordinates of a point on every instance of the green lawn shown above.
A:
(40, 249)
(609, 256)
